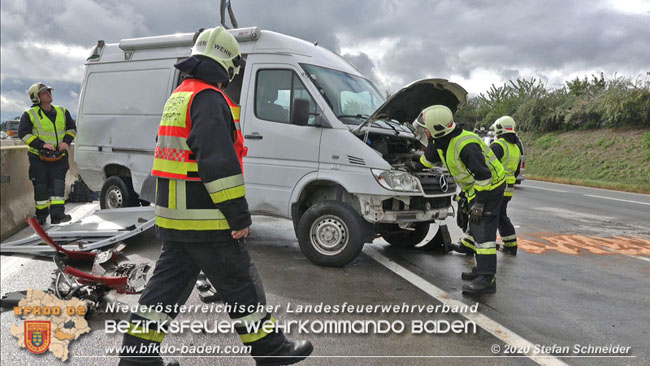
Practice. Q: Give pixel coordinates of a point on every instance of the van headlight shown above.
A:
(396, 180)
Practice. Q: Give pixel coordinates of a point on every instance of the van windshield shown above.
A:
(353, 99)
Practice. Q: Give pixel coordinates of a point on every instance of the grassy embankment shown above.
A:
(606, 158)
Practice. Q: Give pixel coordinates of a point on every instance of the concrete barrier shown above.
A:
(16, 190)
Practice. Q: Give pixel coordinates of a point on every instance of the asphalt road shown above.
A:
(580, 278)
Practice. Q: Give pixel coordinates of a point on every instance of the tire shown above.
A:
(331, 233)
(407, 238)
(115, 193)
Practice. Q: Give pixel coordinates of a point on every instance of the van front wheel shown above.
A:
(115, 193)
(331, 233)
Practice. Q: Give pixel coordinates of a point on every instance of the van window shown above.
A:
(351, 97)
(133, 92)
(276, 91)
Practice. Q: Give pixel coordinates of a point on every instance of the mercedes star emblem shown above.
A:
(444, 186)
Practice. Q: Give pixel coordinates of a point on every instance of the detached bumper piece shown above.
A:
(109, 271)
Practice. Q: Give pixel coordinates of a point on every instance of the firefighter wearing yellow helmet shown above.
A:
(507, 147)
(202, 214)
(481, 178)
(48, 130)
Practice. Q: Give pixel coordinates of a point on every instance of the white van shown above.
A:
(326, 149)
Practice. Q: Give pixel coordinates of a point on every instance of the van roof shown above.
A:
(251, 40)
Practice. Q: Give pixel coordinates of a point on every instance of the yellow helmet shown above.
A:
(438, 119)
(219, 45)
(504, 125)
(35, 90)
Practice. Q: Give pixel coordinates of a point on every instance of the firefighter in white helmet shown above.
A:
(507, 147)
(48, 131)
(201, 212)
(481, 178)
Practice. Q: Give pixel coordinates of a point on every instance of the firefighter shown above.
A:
(48, 131)
(201, 212)
(481, 178)
(508, 149)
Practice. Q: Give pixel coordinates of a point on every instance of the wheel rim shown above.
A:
(329, 235)
(114, 197)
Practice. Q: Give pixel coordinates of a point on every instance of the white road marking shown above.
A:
(547, 189)
(638, 257)
(494, 328)
(585, 187)
(617, 199)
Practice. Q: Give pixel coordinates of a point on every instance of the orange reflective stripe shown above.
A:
(167, 153)
(162, 174)
(173, 131)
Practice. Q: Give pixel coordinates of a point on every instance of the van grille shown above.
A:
(356, 161)
(430, 181)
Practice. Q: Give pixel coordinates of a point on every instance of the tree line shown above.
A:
(582, 103)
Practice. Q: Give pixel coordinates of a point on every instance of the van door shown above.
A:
(279, 153)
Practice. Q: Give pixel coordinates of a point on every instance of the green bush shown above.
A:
(580, 105)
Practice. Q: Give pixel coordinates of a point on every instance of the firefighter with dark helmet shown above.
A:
(201, 212)
(507, 147)
(481, 178)
(48, 131)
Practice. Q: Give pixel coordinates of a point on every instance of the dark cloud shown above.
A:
(363, 63)
(477, 41)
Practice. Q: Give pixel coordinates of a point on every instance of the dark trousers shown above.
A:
(233, 274)
(506, 228)
(48, 179)
(484, 233)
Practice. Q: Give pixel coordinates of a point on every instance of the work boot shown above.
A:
(42, 220)
(60, 219)
(469, 276)
(482, 284)
(461, 248)
(510, 250)
(291, 352)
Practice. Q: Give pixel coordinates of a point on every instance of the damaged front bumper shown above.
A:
(404, 209)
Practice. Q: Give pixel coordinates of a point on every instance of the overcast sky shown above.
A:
(473, 42)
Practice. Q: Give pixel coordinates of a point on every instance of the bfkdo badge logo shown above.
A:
(37, 335)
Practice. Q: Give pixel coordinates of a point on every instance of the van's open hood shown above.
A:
(406, 104)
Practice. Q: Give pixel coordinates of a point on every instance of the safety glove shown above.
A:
(476, 213)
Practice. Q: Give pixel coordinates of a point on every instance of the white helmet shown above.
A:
(219, 45)
(504, 125)
(35, 90)
(438, 119)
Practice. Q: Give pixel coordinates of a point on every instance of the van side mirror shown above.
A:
(300, 112)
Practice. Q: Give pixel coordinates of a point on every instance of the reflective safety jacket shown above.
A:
(510, 160)
(49, 132)
(202, 192)
(462, 175)
(173, 158)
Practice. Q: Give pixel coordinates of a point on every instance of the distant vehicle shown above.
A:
(3, 135)
(12, 128)
(326, 148)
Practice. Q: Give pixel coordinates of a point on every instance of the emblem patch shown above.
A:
(37, 335)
